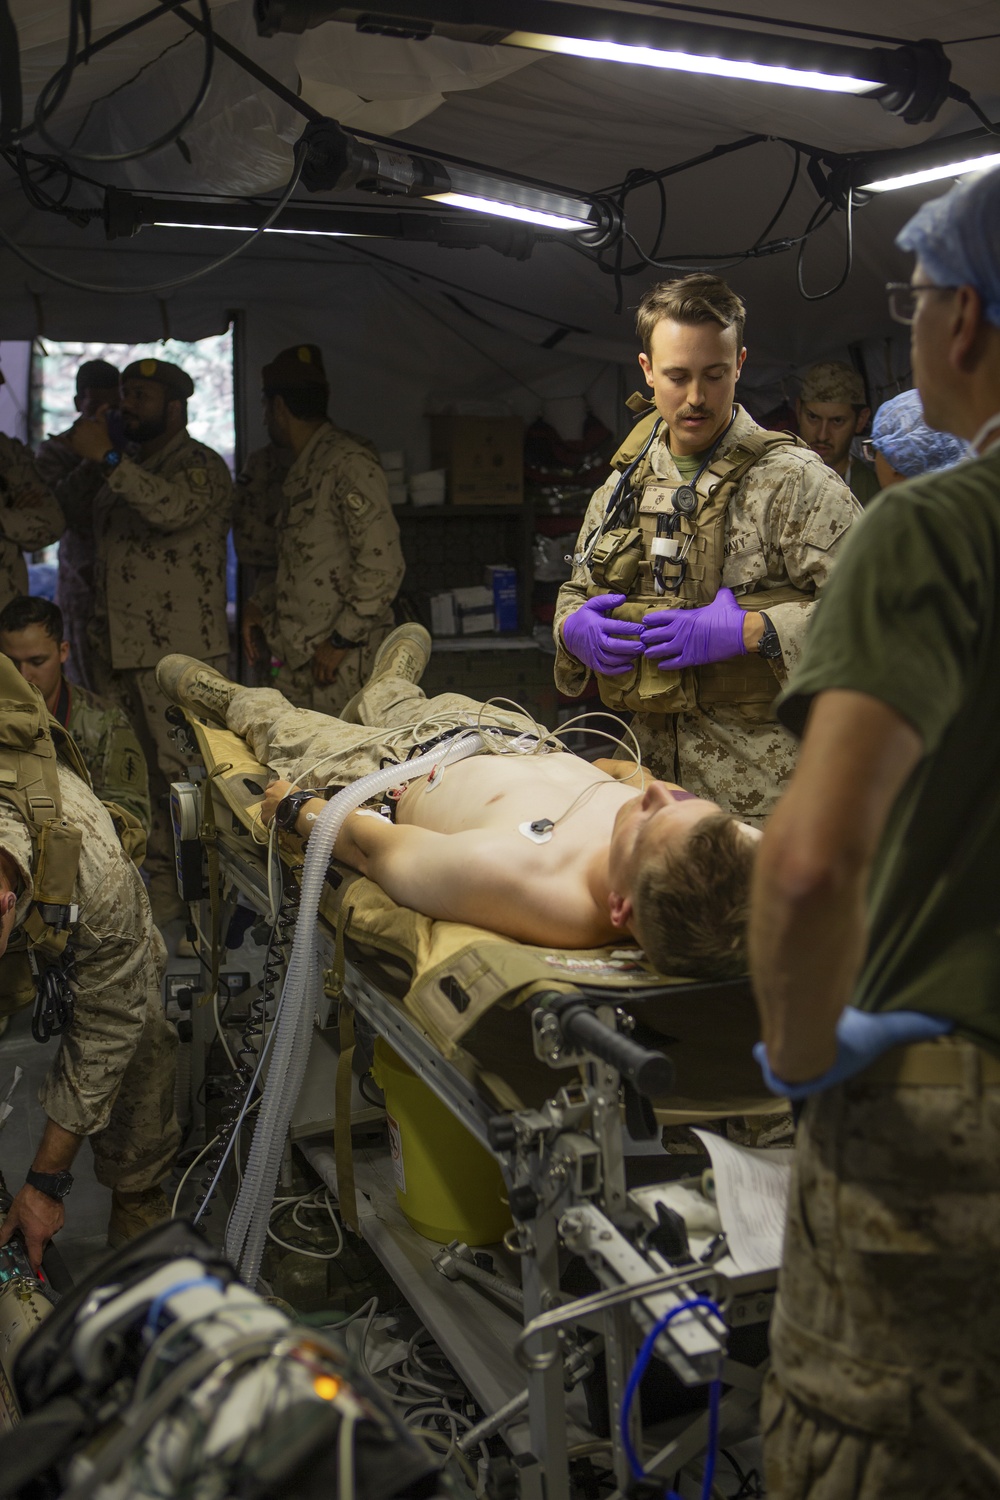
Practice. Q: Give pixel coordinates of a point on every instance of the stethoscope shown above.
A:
(667, 547)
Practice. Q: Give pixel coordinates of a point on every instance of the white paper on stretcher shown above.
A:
(751, 1191)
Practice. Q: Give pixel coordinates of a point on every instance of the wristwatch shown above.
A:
(287, 814)
(768, 646)
(53, 1184)
(341, 642)
(111, 460)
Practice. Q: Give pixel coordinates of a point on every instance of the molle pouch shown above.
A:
(47, 924)
(644, 688)
(614, 565)
(131, 834)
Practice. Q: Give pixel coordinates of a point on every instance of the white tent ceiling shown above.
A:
(401, 339)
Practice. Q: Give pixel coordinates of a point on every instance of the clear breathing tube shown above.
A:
(247, 1232)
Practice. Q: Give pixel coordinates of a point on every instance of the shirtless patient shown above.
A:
(606, 858)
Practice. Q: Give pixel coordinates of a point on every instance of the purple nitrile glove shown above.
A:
(602, 644)
(675, 638)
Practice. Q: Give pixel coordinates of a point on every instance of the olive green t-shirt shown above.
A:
(912, 617)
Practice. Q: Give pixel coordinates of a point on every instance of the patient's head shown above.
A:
(680, 873)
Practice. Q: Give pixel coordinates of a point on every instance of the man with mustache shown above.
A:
(160, 525)
(699, 561)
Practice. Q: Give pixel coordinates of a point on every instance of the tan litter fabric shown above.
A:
(460, 983)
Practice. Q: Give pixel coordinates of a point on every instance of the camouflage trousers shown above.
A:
(135, 691)
(75, 597)
(886, 1335)
(300, 687)
(315, 750)
(137, 1147)
(738, 757)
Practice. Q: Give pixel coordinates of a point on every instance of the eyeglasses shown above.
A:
(868, 451)
(904, 298)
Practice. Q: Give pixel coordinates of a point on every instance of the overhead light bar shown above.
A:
(337, 160)
(935, 161)
(686, 62)
(125, 214)
(911, 81)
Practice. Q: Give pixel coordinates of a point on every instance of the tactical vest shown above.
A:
(31, 745)
(623, 562)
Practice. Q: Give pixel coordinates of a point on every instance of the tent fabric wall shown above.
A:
(400, 342)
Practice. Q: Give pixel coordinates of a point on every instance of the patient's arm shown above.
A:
(474, 876)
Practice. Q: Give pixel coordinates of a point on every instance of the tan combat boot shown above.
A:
(404, 653)
(133, 1213)
(187, 681)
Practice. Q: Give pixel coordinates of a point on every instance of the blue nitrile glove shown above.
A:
(602, 644)
(676, 638)
(862, 1036)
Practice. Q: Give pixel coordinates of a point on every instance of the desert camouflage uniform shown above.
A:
(113, 1076)
(299, 742)
(256, 503)
(160, 586)
(886, 1380)
(29, 516)
(340, 565)
(785, 525)
(75, 482)
(110, 749)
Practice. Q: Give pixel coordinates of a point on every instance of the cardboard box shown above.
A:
(484, 457)
(473, 610)
(502, 580)
(443, 620)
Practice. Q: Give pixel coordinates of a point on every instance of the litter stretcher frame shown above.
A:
(560, 1150)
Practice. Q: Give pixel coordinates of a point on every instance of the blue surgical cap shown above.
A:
(900, 433)
(957, 238)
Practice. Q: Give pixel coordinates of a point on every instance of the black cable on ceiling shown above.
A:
(848, 260)
(45, 106)
(103, 98)
(164, 286)
(11, 99)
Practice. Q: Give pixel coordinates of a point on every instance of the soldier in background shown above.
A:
(31, 634)
(339, 559)
(832, 411)
(756, 521)
(75, 482)
(161, 521)
(30, 516)
(112, 1077)
(256, 503)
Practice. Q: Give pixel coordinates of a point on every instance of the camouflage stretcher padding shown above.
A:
(462, 985)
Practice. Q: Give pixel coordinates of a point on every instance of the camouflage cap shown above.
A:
(177, 382)
(295, 369)
(833, 381)
(96, 375)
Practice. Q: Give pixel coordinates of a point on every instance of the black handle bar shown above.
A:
(648, 1072)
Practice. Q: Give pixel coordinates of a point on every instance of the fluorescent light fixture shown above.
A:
(688, 62)
(910, 80)
(932, 174)
(511, 211)
(333, 234)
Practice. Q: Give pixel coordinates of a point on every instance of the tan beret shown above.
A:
(178, 382)
(833, 381)
(294, 369)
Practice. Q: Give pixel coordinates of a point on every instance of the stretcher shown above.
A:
(534, 1051)
(470, 991)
